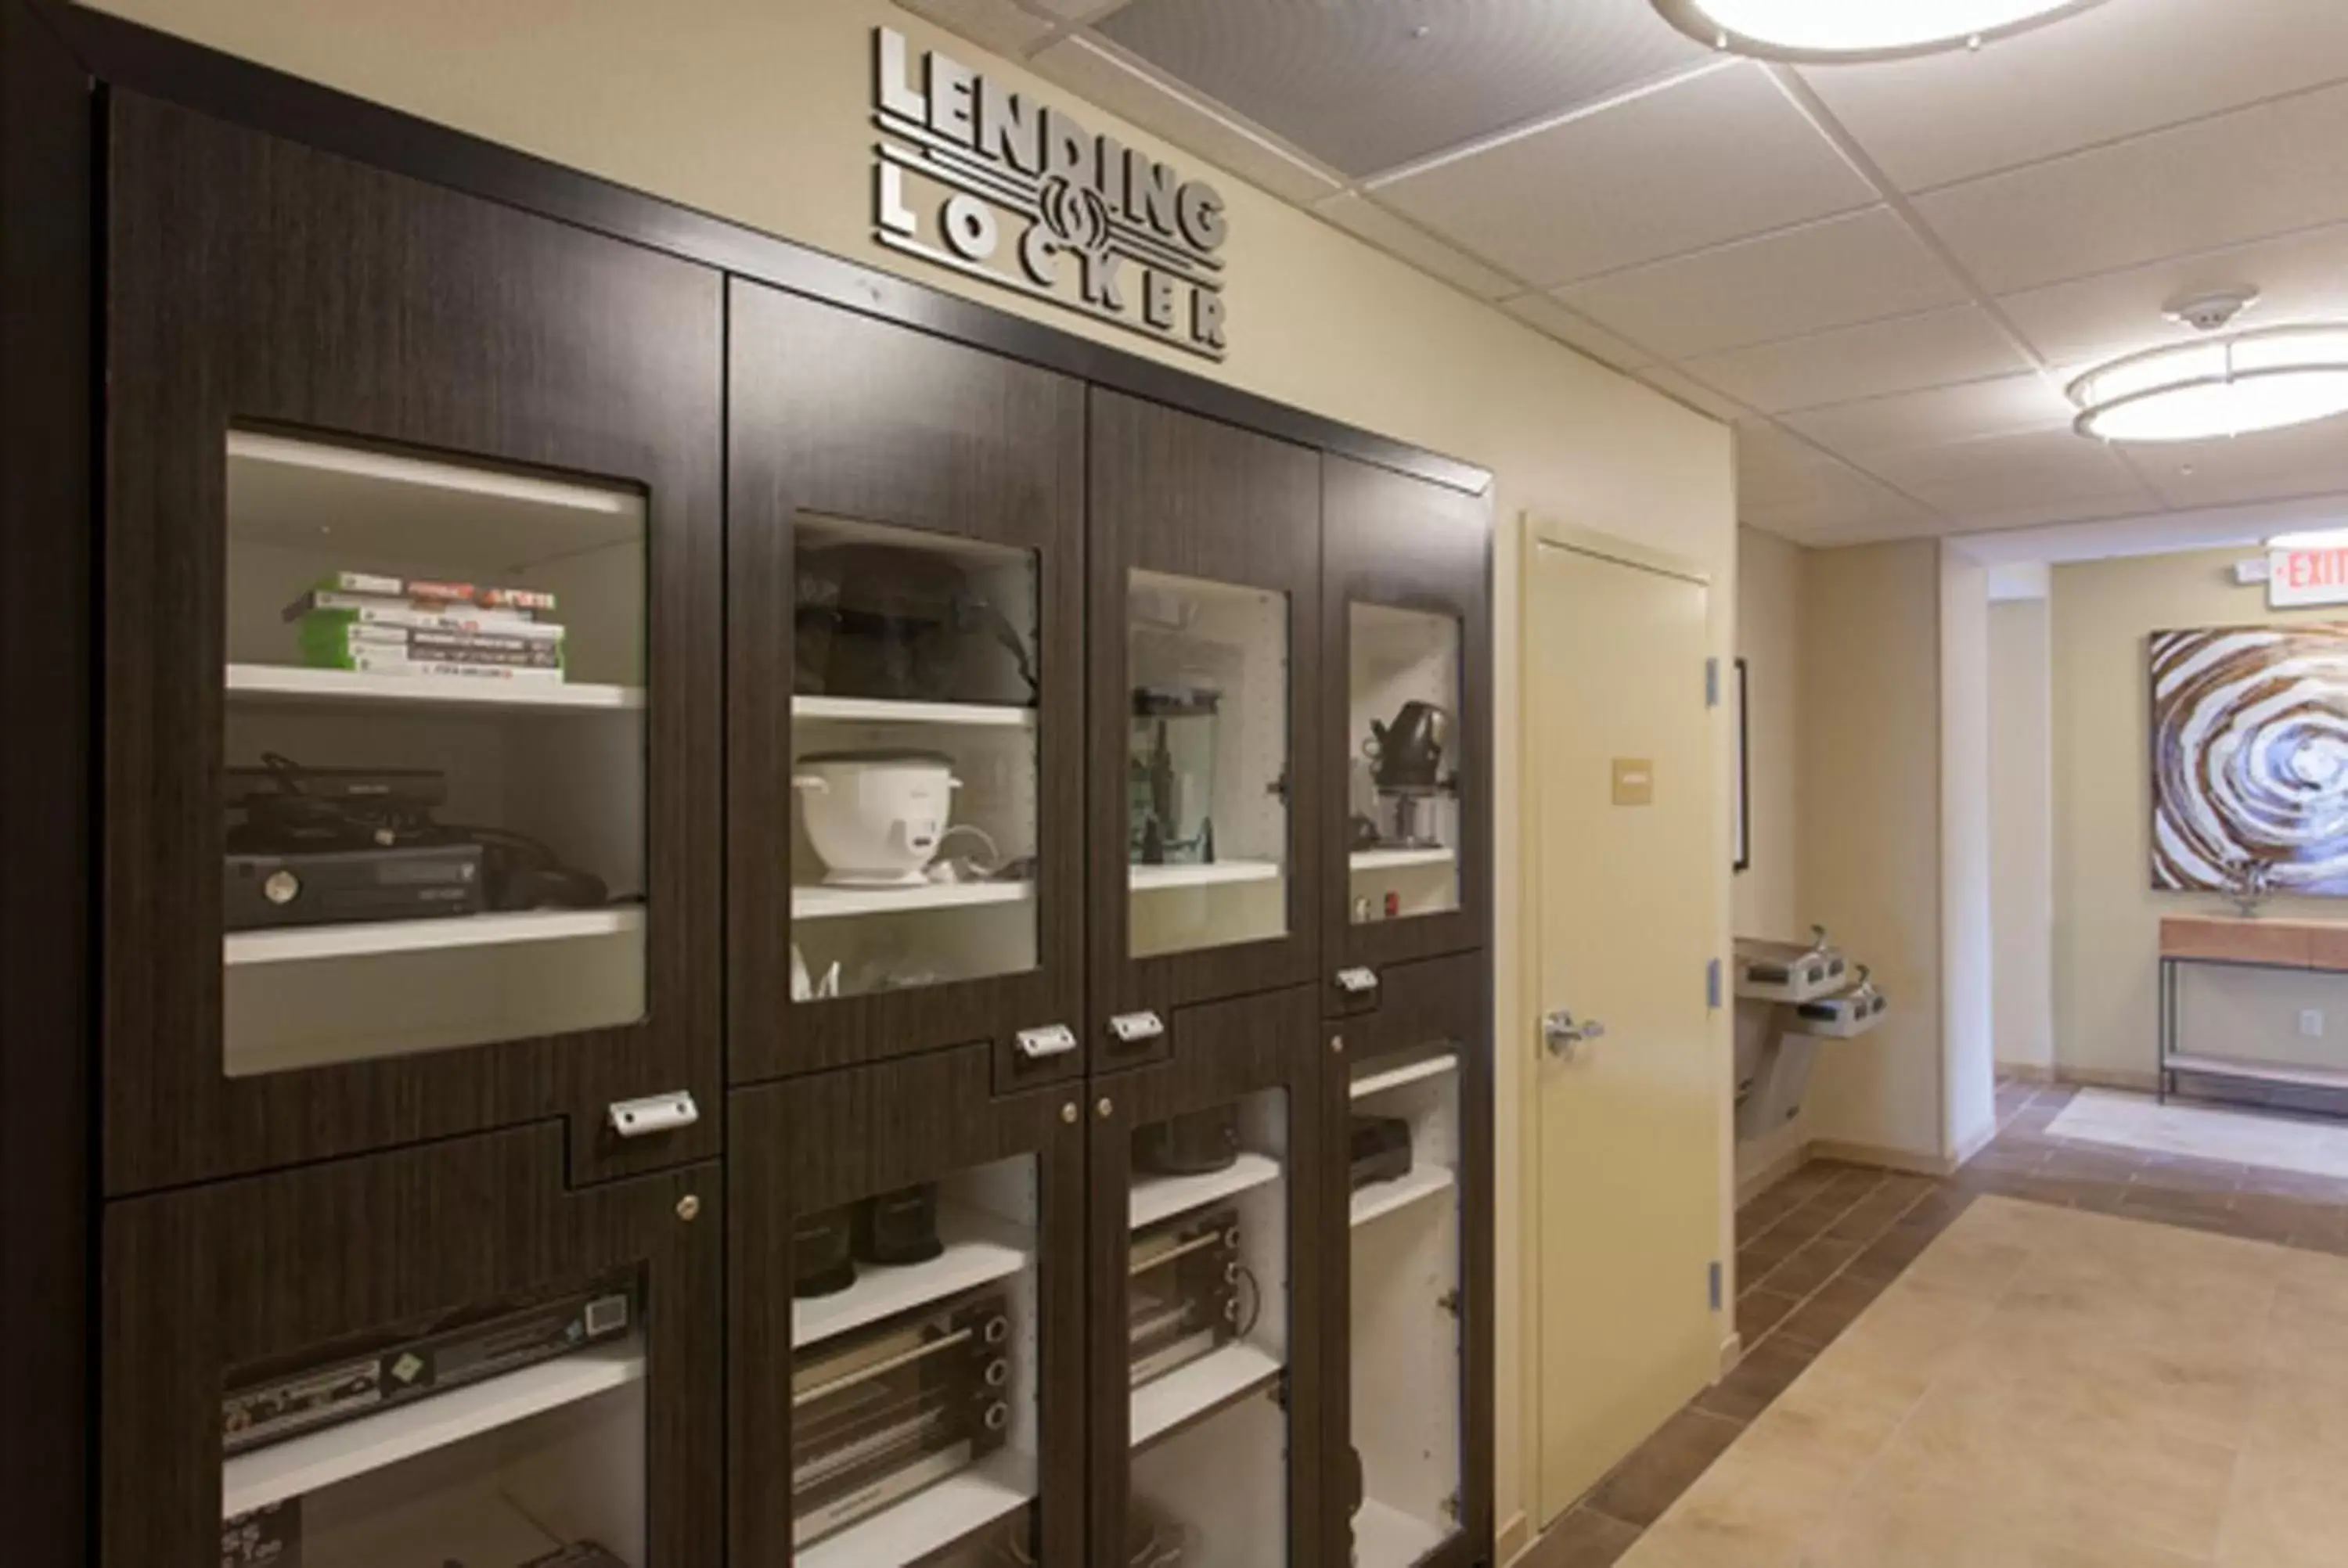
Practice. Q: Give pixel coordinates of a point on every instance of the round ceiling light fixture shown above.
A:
(2233, 385)
(1829, 30)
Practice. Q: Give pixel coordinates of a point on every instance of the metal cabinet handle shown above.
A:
(1051, 1039)
(653, 1113)
(1357, 980)
(1133, 1028)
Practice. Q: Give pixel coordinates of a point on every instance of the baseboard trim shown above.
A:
(2029, 1071)
(1881, 1155)
(1974, 1145)
(1731, 1351)
(2135, 1079)
(1770, 1174)
(1516, 1538)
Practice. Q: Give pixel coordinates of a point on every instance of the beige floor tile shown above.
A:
(2290, 1510)
(1929, 1527)
(2174, 1383)
(1901, 1342)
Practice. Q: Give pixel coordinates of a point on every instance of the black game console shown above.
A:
(1381, 1150)
(420, 882)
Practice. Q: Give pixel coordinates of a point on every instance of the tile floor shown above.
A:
(2312, 1145)
(1910, 1342)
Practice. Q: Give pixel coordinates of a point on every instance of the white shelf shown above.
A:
(1386, 1537)
(820, 901)
(1398, 859)
(1155, 878)
(292, 684)
(1162, 1405)
(979, 1249)
(305, 1464)
(1156, 1198)
(936, 1516)
(1395, 1077)
(302, 944)
(882, 711)
(1384, 1197)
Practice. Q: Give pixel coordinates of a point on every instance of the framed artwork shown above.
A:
(2250, 757)
(1742, 848)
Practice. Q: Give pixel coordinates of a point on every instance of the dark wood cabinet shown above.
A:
(211, 1288)
(905, 513)
(1407, 1245)
(1407, 679)
(315, 367)
(1208, 1386)
(823, 1291)
(1206, 793)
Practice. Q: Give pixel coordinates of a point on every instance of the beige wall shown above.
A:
(1769, 576)
(1869, 824)
(2107, 916)
(2022, 833)
(1968, 1065)
(757, 110)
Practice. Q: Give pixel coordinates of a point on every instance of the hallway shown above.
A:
(2070, 1355)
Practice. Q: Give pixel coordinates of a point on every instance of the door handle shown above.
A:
(1564, 1036)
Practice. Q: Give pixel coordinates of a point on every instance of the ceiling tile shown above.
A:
(1835, 505)
(1359, 215)
(1903, 355)
(1708, 159)
(1687, 389)
(2272, 170)
(1774, 467)
(1373, 84)
(2047, 468)
(2304, 277)
(2308, 460)
(2113, 72)
(2008, 406)
(2046, 514)
(1846, 269)
(997, 24)
(1577, 331)
(1102, 77)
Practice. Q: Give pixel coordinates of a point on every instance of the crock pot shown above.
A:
(875, 818)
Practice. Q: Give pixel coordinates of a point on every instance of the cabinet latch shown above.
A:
(1051, 1039)
(1358, 980)
(1450, 1301)
(653, 1113)
(1133, 1028)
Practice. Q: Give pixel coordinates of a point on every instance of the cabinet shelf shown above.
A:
(1395, 1077)
(1384, 1197)
(979, 1250)
(358, 938)
(1156, 1198)
(820, 901)
(305, 1464)
(886, 711)
(1386, 1537)
(936, 1516)
(1399, 859)
(1154, 878)
(1198, 1389)
(294, 684)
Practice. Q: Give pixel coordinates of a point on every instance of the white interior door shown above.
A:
(1624, 784)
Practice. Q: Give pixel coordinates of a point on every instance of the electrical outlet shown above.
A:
(2310, 1023)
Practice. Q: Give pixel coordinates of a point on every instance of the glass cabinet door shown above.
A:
(1207, 764)
(1402, 766)
(1404, 1381)
(434, 734)
(1208, 1338)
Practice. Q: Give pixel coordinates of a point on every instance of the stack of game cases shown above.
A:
(412, 626)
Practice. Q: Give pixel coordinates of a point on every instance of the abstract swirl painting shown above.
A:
(2249, 756)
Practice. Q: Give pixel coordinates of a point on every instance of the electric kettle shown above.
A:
(1408, 753)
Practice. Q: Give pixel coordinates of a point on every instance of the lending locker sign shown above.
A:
(972, 177)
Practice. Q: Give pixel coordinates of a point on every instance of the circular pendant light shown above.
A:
(1826, 30)
(2231, 385)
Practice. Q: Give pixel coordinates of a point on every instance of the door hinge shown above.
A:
(1712, 985)
(1714, 1289)
(1712, 683)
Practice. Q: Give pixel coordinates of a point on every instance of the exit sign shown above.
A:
(2303, 577)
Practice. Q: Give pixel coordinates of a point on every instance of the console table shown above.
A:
(2317, 946)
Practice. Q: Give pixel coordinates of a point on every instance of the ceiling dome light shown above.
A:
(1822, 30)
(2233, 386)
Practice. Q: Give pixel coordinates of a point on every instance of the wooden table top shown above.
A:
(2278, 942)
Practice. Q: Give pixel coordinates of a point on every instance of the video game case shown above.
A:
(267, 1537)
(333, 647)
(424, 614)
(578, 1554)
(452, 591)
(402, 664)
